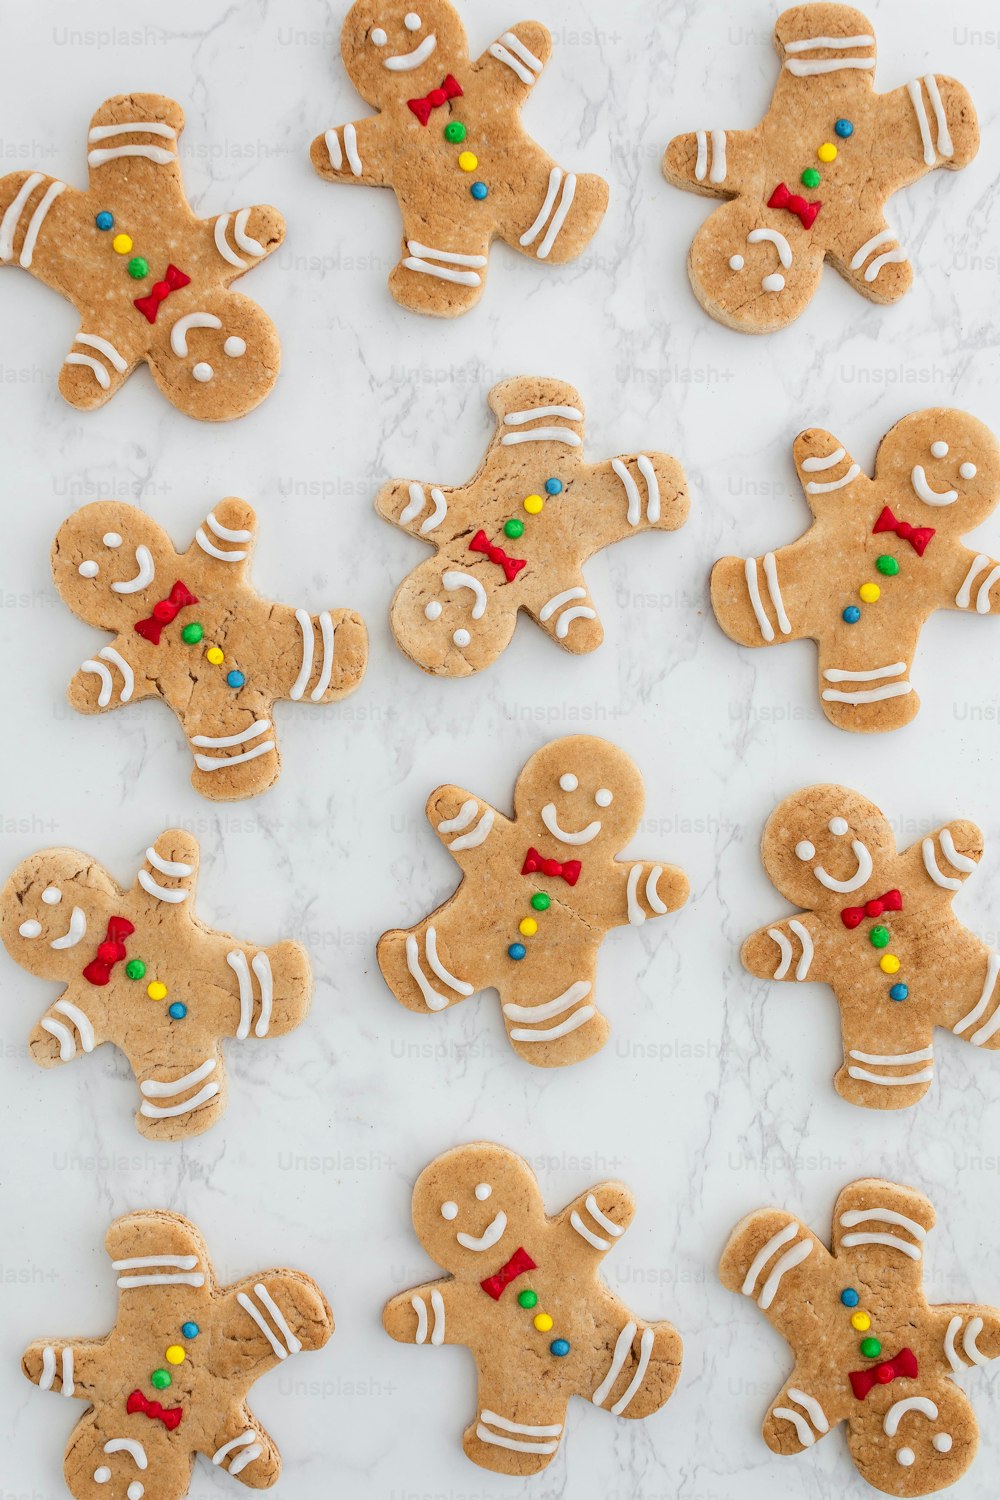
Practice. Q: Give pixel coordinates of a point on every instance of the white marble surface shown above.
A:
(714, 1095)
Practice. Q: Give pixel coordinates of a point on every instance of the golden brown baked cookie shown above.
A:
(191, 629)
(517, 535)
(140, 970)
(448, 140)
(878, 927)
(869, 1350)
(538, 894)
(881, 556)
(810, 182)
(149, 278)
(172, 1377)
(523, 1293)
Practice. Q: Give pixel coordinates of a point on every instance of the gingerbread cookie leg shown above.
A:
(797, 1419)
(569, 617)
(569, 213)
(559, 1024)
(441, 279)
(873, 262)
(873, 1076)
(513, 1433)
(244, 1450)
(191, 1093)
(864, 689)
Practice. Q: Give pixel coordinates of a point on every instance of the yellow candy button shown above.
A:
(533, 504)
(870, 593)
(529, 927)
(156, 990)
(827, 152)
(122, 243)
(859, 1320)
(468, 161)
(542, 1322)
(175, 1355)
(889, 963)
(215, 655)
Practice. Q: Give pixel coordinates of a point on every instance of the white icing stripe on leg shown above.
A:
(437, 1307)
(222, 244)
(802, 1429)
(757, 604)
(67, 1046)
(98, 669)
(326, 627)
(838, 674)
(785, 949)
(261, 965)
(100, 373)
(983, 595)
(718, 172)
(236, 1442)
(529, 235)
(890, 257)
(137, 1262)
(351, 148)
(37, 219)
(551, 1008)
(543, 435)
(857, 261)
(432, 999)
(917, 100)
(864, 1076)
(946, 882)
(894, 1059)
(305, 671)
(12, 216)
(68, 1387)
(333, 150)
(224, 741)
(448, 257)
(963, 597)
(559, 217)
(648, 473)
(226, 533)
(633, 515)
(588, 1234)
(791, 1258)
(764, 1254)
(701, 159)
(248, 1307)
(153, 1089)
(443, 273)
(829, 460)
(430, 946)
(220, 762)
(622, 1346)
(47, 1376)
(871, 695)
(516, 45)
(501, 54)
(128, 676)
(636, 915)
(131, 127)
(549, 608)
(973, 1329)
(978, 1038)
(505, 1425)
(992, 969)
(80, 1020)
(517, 1444)
(168, 1111)
(805, 938)
(229, 555)
(239, 1463)
(944, 142)
(553, 1033)
(155, 154)
(645, 1349)
(774, 589)
(420, 1308)
(811, 1405)
(173, 867)
(565, 620)
(170, 1278)
(292, 1344)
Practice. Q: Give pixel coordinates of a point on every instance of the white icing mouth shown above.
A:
(74, 933)
(860, 878)
(583, 837)
(489, 1236)
(144, 577)
(405, 62)
(924, 492)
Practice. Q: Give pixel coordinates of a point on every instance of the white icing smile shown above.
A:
(489, 1236)
(923, 490)
(552, 824)
(142, 579)
(861, 876)
(405, 62)
(76, 931)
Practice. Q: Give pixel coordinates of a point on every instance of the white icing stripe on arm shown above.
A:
(831, 460)
(535, 413)
(802, 1429)
(153, 1089)
(543, 435)
(622, 1346)
(652, 894)
(100, 373)
(462, 818)
(636, 915)
(809, 43)
(500, 52)
(161, 892)
(248, 1307)
(812, 1406)
(785, 949)
(946, 882)
(238, 963)
(305, 671)
(973, 1329)
(156, 154)
(944, 141)
(645, 1349)
(137, 1262)
(588, 1234)
(963, 597)
(132, 127)
(565, 620)
(774, 589)
(648, 472)
(992, 969)
(80, 1020)
(815, 488)
(351, 148)
(566, 197)
(983, 596)
(437, 1307)
(222, 244)
(757, 604)
(593, 1208)
(239, 1463)
(949, 1344)
(167, 866)
(805, 938)
(12, 217)
(548, 609)
(516, 45)
(98, 669)
(701, 159)
(246, 241)
(475, 836)
(555, 178)
(37, 219)
(261, 965)
(420, 1308)
(791, 1258)
(458, 985)
(892, 1240)
(764, 1254)
(917, 100)
(47, 1376)
(718, 172)
(230, 555)
(885, 1215)
(236, 1442)
(333, 150)
(432, 999)
(633, 515)
(128, 676)
(67, 1046)
(960, 861)
(292, 1343)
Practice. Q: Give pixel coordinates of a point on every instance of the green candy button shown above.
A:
(454, 131)
(527, 1299)
(135, 968)
(138, 267)
(540, 901)
(513, 528)
(871, 1348)
(887, 565)
(810, 177)
(879, 937)
(192, 634)
(160, 1379)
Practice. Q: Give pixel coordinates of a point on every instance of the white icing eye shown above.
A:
(773, 283)
(905, 1456)
(88, 569)
(939, 449)
(102, 1475)
(449, 1210)
(202, 371)
(942, 1442)
(234, 347)
(838, 826)
(483, 1191)
(568, 782)
(135, 1491)
(30, 929)
(967, 471)
(112, 539)
(805, 850)
(736, 262)
(432, 611)
(603, 797)
(461, 637)
(411, 21)
(52, 895)
(379, 37)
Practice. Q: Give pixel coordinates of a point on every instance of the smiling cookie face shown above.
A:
(391, 52)
(54, 910)
(473, 1207)
(580, 792)
(825, 845)
(101, 569)
(946, 466)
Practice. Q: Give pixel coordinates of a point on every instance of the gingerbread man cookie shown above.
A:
(811, 181)
(448, 140)
(878, 927)
(523, 1293)
(149, 278)
(881, 556)
(869, 1350)
(190, 629)
(538, 894)
(517, 535)
(172, 1377)
(141, 971)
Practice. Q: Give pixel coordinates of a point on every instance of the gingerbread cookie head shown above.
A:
(944, 466)
(465, 1220)
(823, 844)
(581, 791)
(99, 570)
(49, 904)
(392, 53)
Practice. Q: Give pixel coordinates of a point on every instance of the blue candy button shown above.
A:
(898, 992)
(190, 1330)
(177, 1011)
(479, 191)
(844, 128)
(852, 614)
(849, 1297)
(105, 220)
(559, 1347)
(516, 950)
(235, 679)
(553, 486)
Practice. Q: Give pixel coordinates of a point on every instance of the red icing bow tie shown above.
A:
(796, 204)
(165, 611)
(905, 1364)
(110, 952)
(519, 1262)
(852, 915)
(172, 281)
(511, 565)
(170, 1416)
(917, 536)
(533, 862)
(450, 89)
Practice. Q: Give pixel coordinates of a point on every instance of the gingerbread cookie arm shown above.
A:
(598, 1217)
(224, 543)
(359, 153)
(266, 1318)
(762, 601)
(979, 588)
(940, 863)
(254, 232)
(969, 1333)
(831, 479)
(468, 827)
(717, 163)
(631, 493)
(169, 876)
(791, 949)
(776, 1260)
(427, 1314)
(932, 123)
(108, 679)
(243, 1448)
(69, 1369)
(647, 890)
(518, 57)
(35, 208)
(431, 512)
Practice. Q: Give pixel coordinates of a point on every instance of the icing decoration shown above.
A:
(795, 204)
(422, 108)
(88, 569)
(173, 280)
(851, 916)
(164, 612)
(569, 870)
(138, 1404)
(917, 536)
(903, 1366)
(110, 952)
(511, 565)
(520, 1262)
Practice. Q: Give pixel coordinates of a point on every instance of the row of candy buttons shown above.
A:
(175, 1355)
(861, 1322)
(192, 634)
(138, 266)
(455, 133)
(156, 990)
(827, 153)
(542, 1321)
(870, 593)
